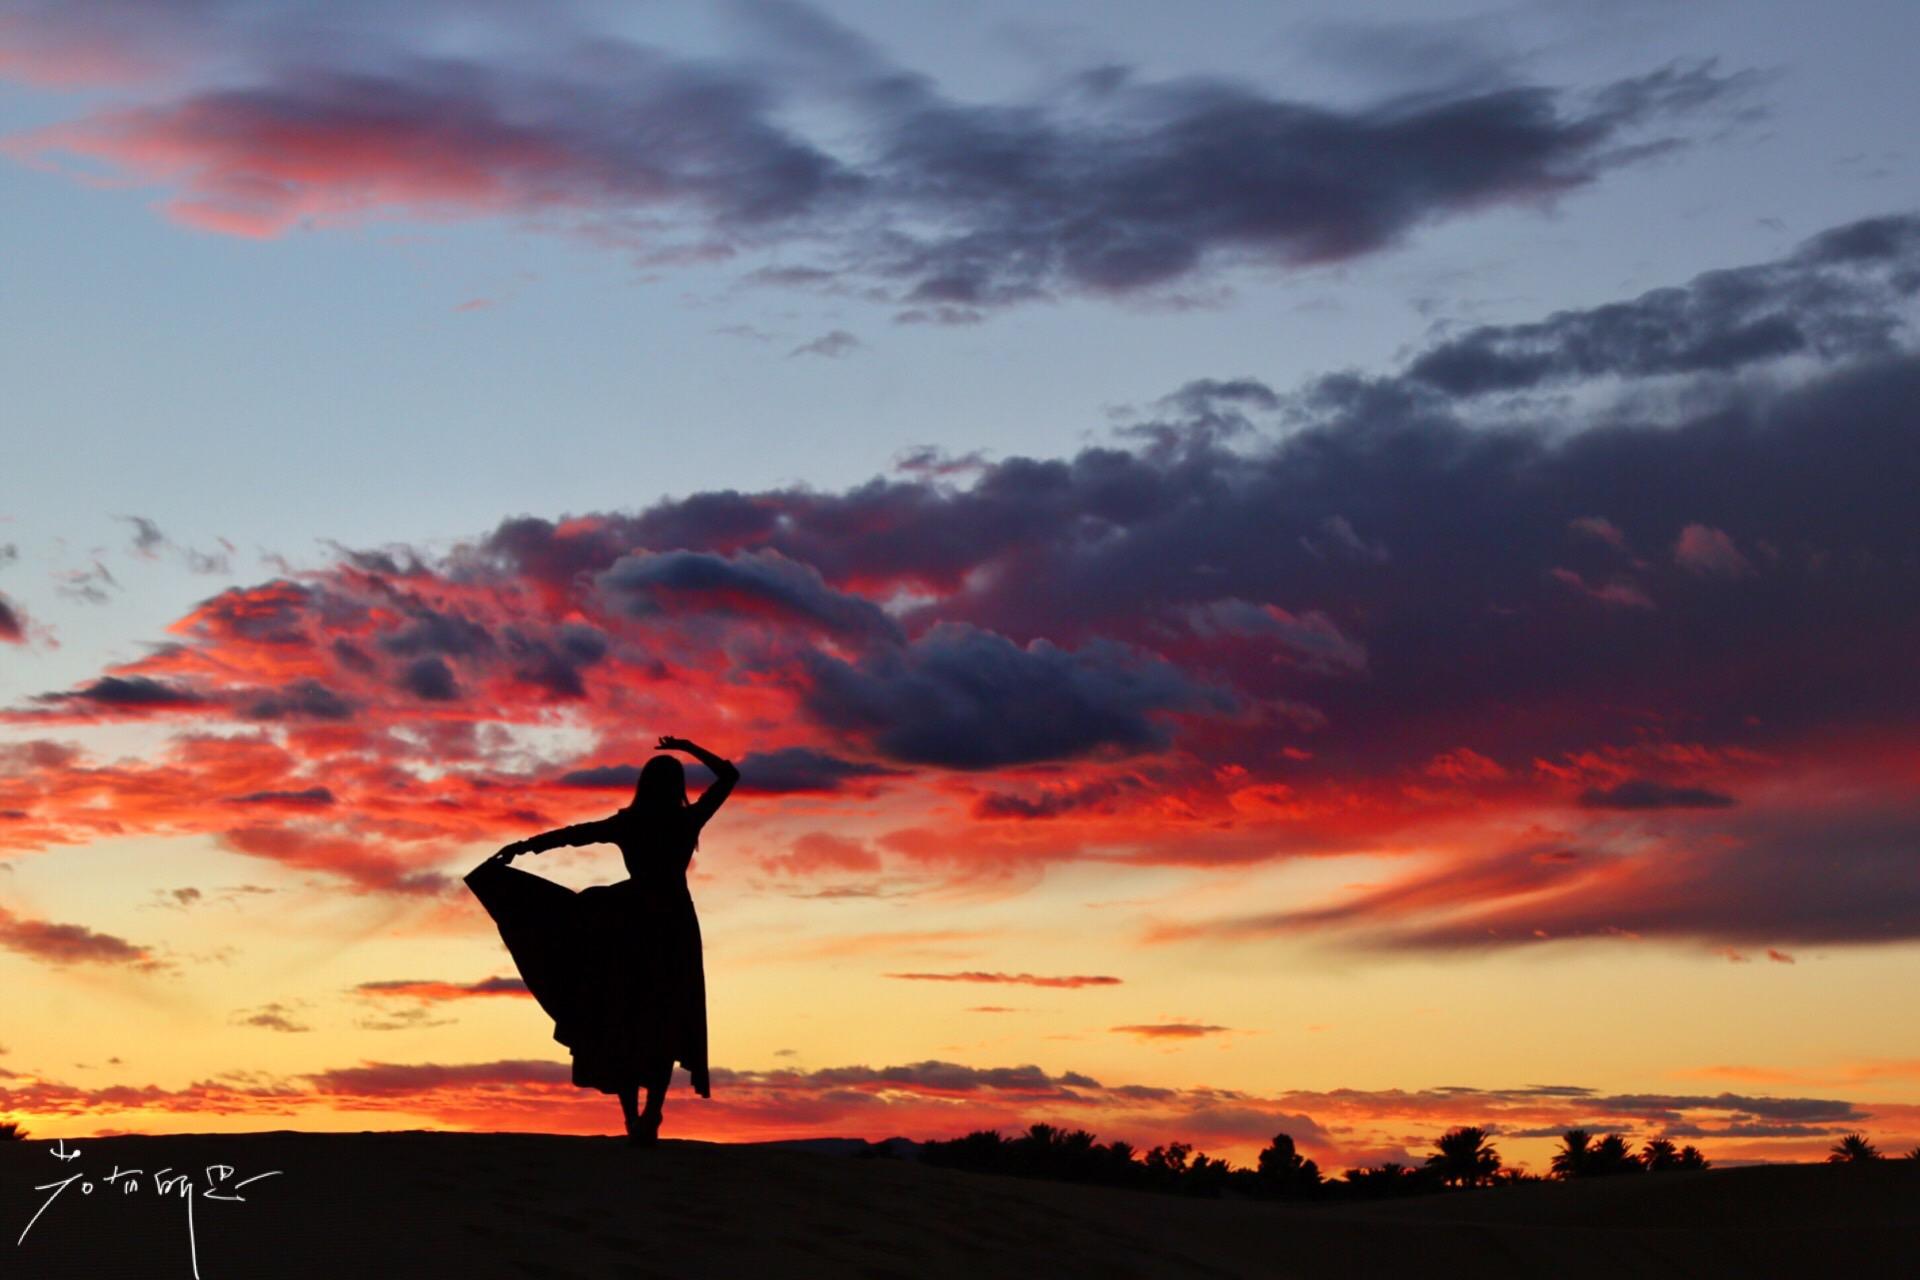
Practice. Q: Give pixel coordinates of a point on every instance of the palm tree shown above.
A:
(1464, 1157)
(1659, 1155)
(1853, 1149)
(10, 1131)
(1690, 1158)
(1574, 1156)
(1914, 1154)
(1169, 1163)
(1612, 1155)
(1284, 1170)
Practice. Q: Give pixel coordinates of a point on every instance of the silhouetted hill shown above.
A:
(373, 1205)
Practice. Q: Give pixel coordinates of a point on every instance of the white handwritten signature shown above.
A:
(220, 1185)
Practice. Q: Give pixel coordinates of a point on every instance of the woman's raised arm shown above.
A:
(724, 776)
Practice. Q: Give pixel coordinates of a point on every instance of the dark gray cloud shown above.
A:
(805, 769)
(147, 538)
(149, 542)
(604, 777)
(128, 692)
(965, 698)
(1055, 801)
(555, 662)
(1645, 793)
(1147, 183)
(1660, 1105)
(434, 631)
(1840, 296)
(1113, 184)
(646, 584)
(13, 622)
(304, 798)
(831, 345)
(430, 679)
(298, 700)
(1818, 876)
(1311, 638)
(89, 585)
(1812, 876)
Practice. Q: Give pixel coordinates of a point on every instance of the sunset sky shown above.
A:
(1265, 569)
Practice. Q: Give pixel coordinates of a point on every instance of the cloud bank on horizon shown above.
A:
(1338, 1127)
(1609, 616)
(810, 157)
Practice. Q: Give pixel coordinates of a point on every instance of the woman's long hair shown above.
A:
(660, 793)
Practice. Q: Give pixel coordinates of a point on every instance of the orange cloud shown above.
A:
(1019, 979)
(64, 944)
(1171, 1030)
(434, 990)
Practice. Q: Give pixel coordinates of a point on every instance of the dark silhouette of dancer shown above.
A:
(618, 966)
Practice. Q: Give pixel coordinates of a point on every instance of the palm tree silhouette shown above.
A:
(10, 1131)
(1853, 1149)
(1690, 1158)
(1914, 1154)
(1612, 1155)
(1464, 1157)
(1659, 1155)
(1575, 1154)
(1282, 1169)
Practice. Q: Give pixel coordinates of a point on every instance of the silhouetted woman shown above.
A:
(618, 966)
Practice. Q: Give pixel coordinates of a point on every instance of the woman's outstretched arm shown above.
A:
(580, 833)
(724, 776)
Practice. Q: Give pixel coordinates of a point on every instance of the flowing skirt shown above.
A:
(617, 967)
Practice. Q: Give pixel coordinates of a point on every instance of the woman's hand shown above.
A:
(509, 852)
(670, 743)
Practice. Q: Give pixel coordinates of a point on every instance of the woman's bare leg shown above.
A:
(657, 1080)
(630, 1105)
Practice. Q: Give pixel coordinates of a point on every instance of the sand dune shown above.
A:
(374, 1205)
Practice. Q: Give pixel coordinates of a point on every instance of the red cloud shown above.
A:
(1171, 1030)
(1017, 979)
(818, 851)
(255, 164)
(1710, 552)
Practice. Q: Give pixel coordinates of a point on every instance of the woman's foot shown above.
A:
(643, 1130)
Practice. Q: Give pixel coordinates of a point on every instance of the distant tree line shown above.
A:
(1462, 1158)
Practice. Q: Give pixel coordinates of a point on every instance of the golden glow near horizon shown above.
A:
(802, 986)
